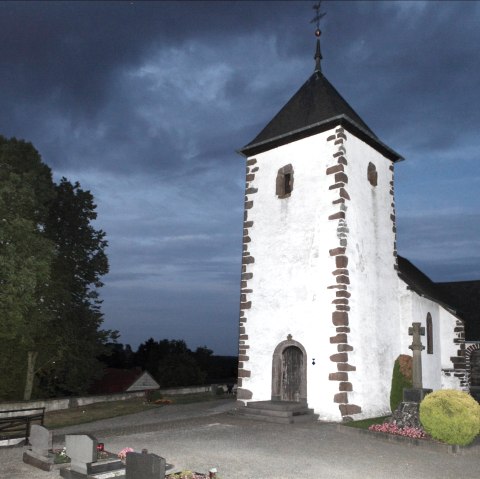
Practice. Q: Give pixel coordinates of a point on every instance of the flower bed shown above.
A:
(186, 475)
(392, 428)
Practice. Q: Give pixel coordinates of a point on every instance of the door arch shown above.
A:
(289, 372)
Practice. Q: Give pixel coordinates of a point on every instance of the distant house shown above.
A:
(124, 380)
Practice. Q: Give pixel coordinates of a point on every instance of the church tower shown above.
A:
(319, 266)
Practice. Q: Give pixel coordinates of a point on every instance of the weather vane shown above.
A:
(318, 16)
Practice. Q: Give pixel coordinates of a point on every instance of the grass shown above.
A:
(105, 410)
(95, 412)
(366, 423)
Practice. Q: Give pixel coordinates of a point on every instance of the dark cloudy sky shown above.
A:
(145, 104)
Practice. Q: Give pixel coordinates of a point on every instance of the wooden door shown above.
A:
(292, 366)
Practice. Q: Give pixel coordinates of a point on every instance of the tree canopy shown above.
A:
(51, 263)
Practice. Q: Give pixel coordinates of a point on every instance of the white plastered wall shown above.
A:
(415, 309)
(290, 241)
(374, 315)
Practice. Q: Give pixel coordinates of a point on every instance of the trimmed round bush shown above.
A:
(450, 416)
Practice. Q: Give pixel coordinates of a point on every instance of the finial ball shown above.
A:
(318, 32)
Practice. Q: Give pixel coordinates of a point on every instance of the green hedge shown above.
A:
(399, 382)
(450, 416)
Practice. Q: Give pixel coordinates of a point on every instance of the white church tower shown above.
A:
(320, 311)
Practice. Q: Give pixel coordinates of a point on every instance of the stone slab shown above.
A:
(45, 463)
(104, 465)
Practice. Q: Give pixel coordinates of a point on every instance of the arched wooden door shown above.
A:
(292, 370)
(289, 372)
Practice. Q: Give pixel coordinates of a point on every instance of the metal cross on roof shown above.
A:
(316, 19)
(318, 16)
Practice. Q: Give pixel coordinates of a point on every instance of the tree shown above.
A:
(117, 355)
(170, 362)
(78, 265)
(26, 190)
(51, 262)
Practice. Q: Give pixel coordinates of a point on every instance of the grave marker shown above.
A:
(40, 440)
(418, 392)
(144, 466)
(82, 450)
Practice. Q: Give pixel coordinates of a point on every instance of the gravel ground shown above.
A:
(201, 436)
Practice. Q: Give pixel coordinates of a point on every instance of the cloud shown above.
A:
(145, 104)
(445, 246)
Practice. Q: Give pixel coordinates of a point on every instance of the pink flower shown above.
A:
(392, 428)
(123, 453)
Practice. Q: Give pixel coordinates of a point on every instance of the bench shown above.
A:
(15, 423)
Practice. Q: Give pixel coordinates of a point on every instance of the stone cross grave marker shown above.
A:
(144, 466)
(82, 450)
(416, 331)
(40, 440)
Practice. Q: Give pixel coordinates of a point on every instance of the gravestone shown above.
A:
(40, 440)
(82, 450)
(39, 455)
(418, 392)
(144, 466)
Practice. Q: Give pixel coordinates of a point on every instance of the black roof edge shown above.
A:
(320, 127)
(441, 303)
(416, 284)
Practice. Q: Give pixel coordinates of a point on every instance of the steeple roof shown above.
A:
(317, 106)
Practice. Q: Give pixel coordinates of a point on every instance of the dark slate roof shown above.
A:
(419, 282)
(317, 106)
(115, 380)
(465, 297)
(462, 297)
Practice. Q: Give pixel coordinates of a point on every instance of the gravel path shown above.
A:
(204, 435)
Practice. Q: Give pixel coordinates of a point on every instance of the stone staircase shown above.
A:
(283, 412)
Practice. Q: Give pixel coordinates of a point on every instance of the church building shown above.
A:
(326, 302)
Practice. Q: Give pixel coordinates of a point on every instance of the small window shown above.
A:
(429, 334)
(372, 174)
(284, 183)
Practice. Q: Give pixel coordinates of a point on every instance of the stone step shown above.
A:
(273, 412)
(281, 420)
(277, 405)
(275, 419)
(284, 412)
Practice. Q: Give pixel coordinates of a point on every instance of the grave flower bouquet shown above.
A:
(187, 475)
(60, 456)
(123, 453)
(212, 474)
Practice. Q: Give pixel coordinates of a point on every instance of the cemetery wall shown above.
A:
(69, 402)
